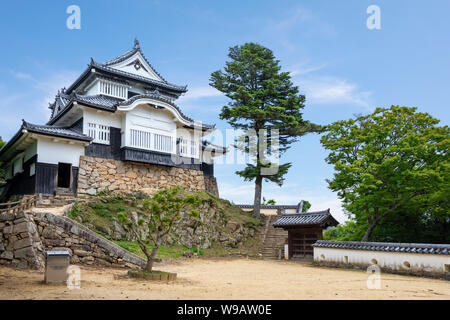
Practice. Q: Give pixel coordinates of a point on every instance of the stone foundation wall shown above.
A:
(211, 185)
(20, 244)
(98, 174)
(26, 237)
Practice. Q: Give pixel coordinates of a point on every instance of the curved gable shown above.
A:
(156, 103)
(136, 64)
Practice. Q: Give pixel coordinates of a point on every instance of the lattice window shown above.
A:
(184, 147)
(113, 89)
(151, 141)
(188, 148)
(194, 149)
(140, 139)
(100, 133)
(163, 143)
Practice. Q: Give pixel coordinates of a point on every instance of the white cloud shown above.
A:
(296, 16)
(304, 68)
(300, 20)
(50, 86)
(31, 103)
(199, 93)
(21, 75)
(331, 90)
(45, 88)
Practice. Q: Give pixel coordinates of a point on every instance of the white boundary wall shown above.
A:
(396, 261)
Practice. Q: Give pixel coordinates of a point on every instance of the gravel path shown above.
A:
(221, 278)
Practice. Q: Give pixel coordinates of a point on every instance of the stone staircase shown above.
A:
(272, 239)
(58, 200)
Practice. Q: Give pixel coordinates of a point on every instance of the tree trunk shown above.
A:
(377, 217)
(151, 257)
(372, 225)
(149, 265)
(257, 199)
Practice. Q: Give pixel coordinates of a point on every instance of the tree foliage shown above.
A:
(261, 98)
(387, 161)
(160, 214)
(348, 231)
(269, 202)
(306, 205)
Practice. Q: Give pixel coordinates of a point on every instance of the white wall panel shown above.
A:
(390, 260)
(54, 152)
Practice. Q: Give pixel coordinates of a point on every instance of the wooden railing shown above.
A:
(18, 206)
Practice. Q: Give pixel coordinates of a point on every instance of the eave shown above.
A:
(75, 102)
(25, 132)
(95, 67)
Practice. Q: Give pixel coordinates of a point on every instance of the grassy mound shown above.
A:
(99, 214)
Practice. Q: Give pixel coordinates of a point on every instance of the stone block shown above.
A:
(24, 252)
(20, 220)
(7, 255)
(7, 230)
(23, 227)
(91, 191)
(22, 243)
(81, 253)
(54, 242)
(88, 260)
(7, 217)
(49, 234)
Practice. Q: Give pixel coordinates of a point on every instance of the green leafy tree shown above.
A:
(417, 221)
(306, 205)
(269, 202)
(261, 98)
(348, 231)
(160, 214)
(386, 160)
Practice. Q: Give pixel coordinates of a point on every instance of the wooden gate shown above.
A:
(300, 242)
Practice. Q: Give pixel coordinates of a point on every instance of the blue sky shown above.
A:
(341, 66)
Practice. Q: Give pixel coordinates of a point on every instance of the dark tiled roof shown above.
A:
(99, 100)
(61, 101)
(126, 55)
(213, 147)
(106, 67)
(55, 131)
(155, 95)
(111, 103)
(307, 218)
(162, 84)
(385, 246)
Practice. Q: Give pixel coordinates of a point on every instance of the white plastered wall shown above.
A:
(53, 152)
(146, 118)
(396, 261)
(30, 152)
(100, 117)
(17, 162)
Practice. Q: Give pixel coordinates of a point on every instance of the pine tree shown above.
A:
(261, 98)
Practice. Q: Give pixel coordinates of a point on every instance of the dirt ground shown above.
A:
(221, 278)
